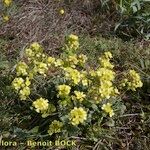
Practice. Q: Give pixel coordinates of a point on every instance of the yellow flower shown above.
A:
(24, 93)
(77, 115)
(115, 92)
(132, 80)
(84, 79)
(27, 82)
(84, 82)
(29, 52)
(105, 63)
(37, 49)
(41, 68)
(92, 73)
(58, 63)
(123, 82)
(105, 74)
(50, 60)
(18, 83)
(108, 55)
(63, 90)
(35, 45)
(6, 18)
(73, 59)
(107, 108)
(61, 11)
(82, 58)
(55, 127)
(73, 75)
(7, 3)
(73, 37)
(21, 69)
(73, 45)
(79, 96)
(106, 90)
(38, 55)
(72, 42)
(41, 105)
(105, 60)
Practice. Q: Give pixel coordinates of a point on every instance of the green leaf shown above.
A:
(110, 123)
(51, 108)
(34, 130)
(4, 64)
(122, 109)
(142, 63)
(94, 106)
(45, 115)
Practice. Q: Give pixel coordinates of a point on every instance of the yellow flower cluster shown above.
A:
(62, 11)
(7, 3)
(41, 105)
(21, 69)
(26, 71)
(24, 93)
(105, 60)
(132, 80)
(104, 77)
(39, 62)
(84, 79)
(72, 60)
(105, 74)
(50, 60)
(18, 83)
(108, 109)
(55, 127)
(6, 18)
(36, 63)
(41, 68)
(108, 55)
(75, 60)
(78, 115)
(72, 75)
(22, 86)
(36, 47)
(38, 59)
(35, 51)
(72, 42)
(82, 59)
(58, 63)
(78, 96)
(63, 90)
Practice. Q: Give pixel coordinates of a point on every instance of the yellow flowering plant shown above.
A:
(5, 10)
(6, 18)
(61, 11)
(7, 3)
(70, 97)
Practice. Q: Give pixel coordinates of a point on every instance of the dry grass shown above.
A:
(40, 21)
